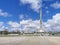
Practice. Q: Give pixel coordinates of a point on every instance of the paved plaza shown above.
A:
(30, 40)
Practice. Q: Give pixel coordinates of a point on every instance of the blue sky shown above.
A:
(15, 7)
(15, 11)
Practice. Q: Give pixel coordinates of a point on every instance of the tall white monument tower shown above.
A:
(41, 30)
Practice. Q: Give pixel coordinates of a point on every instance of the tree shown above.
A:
(5, 32)
(18, 31)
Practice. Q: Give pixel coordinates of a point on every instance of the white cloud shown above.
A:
(47, 11)
(32, 25)
(46, 7)
(21, 16)
(56, 18)
(2, 26)
(51, 25)
(48, 0)
(54, 23)
(3, 13)
(29, 24)
(56, 5)
(34, 4)
(14, 24)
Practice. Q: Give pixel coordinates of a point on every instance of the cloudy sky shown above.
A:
(25, 15)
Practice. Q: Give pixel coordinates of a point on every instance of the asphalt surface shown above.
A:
(30, 40)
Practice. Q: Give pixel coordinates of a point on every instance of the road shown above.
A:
(30, 40)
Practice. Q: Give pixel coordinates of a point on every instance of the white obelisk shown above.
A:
(41, 30)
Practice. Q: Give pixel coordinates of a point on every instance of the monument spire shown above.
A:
(41, 16)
